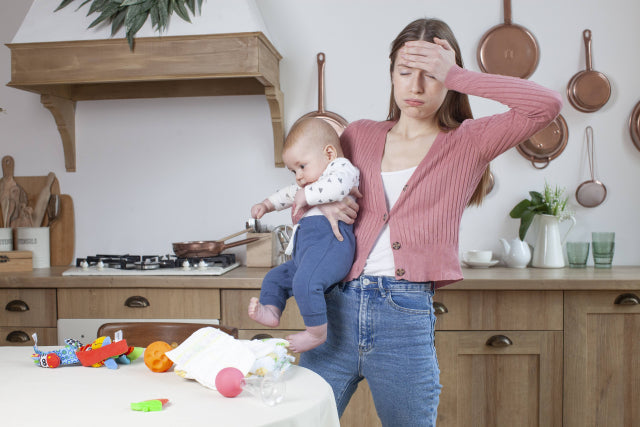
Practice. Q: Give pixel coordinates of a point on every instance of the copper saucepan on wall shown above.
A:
(546, 144)
(207, 248)
(634, 125)
(336, 121)
(588, 90)
(508, 49)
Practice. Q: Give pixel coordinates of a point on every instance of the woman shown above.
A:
(419, 170)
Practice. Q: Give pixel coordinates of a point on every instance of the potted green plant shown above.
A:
(551, 202)
(132, 14)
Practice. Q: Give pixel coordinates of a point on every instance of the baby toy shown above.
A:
(101, 351)
(55, 358)
(149, 405)
(270, 388)
(155, 358)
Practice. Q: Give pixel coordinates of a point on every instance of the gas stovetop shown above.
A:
(169, 265)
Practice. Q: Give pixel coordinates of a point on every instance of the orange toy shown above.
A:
(154, 356)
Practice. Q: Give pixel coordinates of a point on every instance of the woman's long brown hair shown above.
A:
(455, 107)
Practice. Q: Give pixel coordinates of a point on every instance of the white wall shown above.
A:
(150, 172)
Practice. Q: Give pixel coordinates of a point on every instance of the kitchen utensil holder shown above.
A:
(263, 252)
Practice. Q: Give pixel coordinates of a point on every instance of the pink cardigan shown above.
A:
(424, 222)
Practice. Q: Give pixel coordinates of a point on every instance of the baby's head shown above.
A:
(309, 148)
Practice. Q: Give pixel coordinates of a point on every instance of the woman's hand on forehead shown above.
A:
(436, 59)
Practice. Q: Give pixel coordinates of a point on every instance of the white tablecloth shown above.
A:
(76, 395)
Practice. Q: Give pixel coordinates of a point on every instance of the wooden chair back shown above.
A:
(141, 334)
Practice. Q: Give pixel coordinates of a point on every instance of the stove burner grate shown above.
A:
(153, 262)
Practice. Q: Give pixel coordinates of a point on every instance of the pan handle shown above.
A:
(321, 59)
(507, 12)
(586, 35)
(546, 163)
(235, 234)
(240, 242)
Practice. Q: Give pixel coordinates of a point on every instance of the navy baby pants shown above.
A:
(319, 261)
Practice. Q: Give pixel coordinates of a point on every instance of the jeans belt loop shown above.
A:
(381, 286)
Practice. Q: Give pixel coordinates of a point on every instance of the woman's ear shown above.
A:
(331, 152)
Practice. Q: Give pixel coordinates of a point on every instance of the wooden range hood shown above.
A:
(172, 66)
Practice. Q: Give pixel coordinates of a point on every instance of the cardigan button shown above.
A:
(405, 188)
(385, 217)
(396, 245)
(400, 272)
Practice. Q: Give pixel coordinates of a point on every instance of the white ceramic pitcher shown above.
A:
(516, 253)
(547, 252)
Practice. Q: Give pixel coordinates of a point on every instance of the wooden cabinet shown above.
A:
(25, 312)
(138, 303)
(602, 359)
(500, 356)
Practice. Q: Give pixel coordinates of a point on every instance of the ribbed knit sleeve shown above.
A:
(531, 108)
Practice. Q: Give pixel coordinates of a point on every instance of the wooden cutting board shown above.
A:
(63, 233)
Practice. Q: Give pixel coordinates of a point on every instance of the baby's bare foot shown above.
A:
(309, 339)
(267, 315)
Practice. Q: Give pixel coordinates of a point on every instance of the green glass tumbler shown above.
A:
(577, 254)
(603, 245)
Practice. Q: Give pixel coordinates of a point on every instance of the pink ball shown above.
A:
(229, 382)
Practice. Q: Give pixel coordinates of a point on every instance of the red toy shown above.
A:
(91, 356)
(229, 382)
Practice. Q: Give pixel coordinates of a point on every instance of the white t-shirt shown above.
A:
(380, 260)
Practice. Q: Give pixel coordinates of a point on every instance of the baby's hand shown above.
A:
(299, 201)
(258, 210)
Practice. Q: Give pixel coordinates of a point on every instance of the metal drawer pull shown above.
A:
(137, 302)
(17, 305)
(439, 308)
(499, 341)
(18, 337)
(627, 299)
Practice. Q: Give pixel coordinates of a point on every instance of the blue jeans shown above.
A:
(382, 329)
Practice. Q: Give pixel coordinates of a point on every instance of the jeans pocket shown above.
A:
(419, 302)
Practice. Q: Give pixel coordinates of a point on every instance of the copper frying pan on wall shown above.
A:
(588, 90)
(547, 144)
(634, 125)
(336, 121)
(508, 49)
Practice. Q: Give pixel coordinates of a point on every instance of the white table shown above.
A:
(76, 395)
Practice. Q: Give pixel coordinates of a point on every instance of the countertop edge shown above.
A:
(496, 278)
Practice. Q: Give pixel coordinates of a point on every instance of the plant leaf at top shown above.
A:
(132, 14)
(63, 4)
(525, 222)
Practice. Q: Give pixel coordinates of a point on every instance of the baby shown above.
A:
(312, 152)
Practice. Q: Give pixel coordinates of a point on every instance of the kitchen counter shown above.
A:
(496, 278)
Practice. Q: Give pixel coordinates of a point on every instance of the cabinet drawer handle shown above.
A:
(137, 302)
(439, 308)
(627, 299)
(17, 305)
(499, 341)
(17, 337)
(261, 337)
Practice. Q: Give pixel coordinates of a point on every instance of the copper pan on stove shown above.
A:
(508, 49)
(546, 144)
(588, 90)
(337, 122)
(634, 125)
(208, 248)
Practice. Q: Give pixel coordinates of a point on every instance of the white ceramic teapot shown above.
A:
(516, 253)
